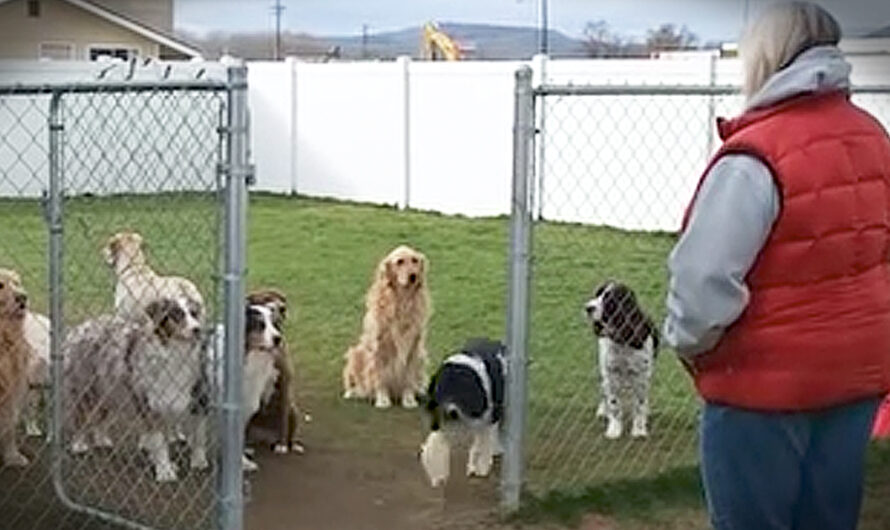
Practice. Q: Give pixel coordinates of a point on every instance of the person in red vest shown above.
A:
(779, 296)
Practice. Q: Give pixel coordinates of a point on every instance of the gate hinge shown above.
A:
(247, 172)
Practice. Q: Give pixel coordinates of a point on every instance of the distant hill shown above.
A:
(881, 33)
(484, 41)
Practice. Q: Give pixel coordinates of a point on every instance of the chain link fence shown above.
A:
(122, 224)
(603, 200)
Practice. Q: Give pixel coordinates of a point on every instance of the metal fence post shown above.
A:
(518, 294)
(231, 479)
(54, 223)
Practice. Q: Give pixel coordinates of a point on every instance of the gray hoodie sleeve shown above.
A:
(730, 221)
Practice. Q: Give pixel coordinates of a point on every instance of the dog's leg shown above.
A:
(159, 453)
(381, 399)
(497, 448)
(639, 427)
(601, 358)
(295, 445)
(11, 455)
(32, 413)
(481, 454)
(101, 438)
(409, 401)
(248, 465)
(613, 409)
(198, 443)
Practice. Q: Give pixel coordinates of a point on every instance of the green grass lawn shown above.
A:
(322, 255)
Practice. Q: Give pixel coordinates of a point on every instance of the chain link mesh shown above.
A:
(140, 160)
(614, 175)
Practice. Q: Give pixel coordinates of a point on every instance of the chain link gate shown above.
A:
(604, 204)
(86, 170)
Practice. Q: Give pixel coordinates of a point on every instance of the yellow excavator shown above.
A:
(438, 46)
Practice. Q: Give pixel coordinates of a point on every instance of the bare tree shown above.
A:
(669, 37)
(600, 40)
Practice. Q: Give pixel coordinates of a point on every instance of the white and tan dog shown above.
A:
(137, 283)
(15, 353)
(389, 360)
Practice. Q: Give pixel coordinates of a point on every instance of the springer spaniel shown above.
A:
(628, 345)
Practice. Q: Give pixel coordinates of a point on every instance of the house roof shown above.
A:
(134, 26)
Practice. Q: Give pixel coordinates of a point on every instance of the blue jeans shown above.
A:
(785, 471)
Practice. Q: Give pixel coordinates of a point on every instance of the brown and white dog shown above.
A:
(153, 364)
(15, 353)
(277, 418)
(389, 360)
(137, 283)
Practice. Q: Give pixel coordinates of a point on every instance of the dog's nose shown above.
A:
(21, 299)
(277, 340)
(412, 277)
(196, 333)
(588, 309)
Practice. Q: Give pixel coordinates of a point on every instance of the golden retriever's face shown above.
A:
(123, 247)
(405, 267)
(13, 298)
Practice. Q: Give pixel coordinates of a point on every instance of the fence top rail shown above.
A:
(667, 90)
(115, 86)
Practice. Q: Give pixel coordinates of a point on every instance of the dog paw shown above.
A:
(349, 394)
(165, 472)
(79, 446)
(382, 401)
(199, 460)
(613, 431)
(280, 449)
(409, 401)
(15, 459)
(297, 447)
(479, 467)
(601, 410)
(248, 465)
(102, 441)
(639, 430)
(32, 429)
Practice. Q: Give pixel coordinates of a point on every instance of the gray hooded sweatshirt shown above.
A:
(732, 218)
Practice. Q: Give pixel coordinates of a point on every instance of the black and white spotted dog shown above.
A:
(465, 394)
(628, 345)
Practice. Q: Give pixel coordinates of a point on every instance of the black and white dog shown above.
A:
(465, 394)
(628, 345)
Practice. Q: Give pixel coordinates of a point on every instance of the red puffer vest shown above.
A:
(816, 331)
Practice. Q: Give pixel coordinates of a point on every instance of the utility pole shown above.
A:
(277, 9)
(364, 41)
(544, 44)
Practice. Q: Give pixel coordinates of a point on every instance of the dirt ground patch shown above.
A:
(329, 488)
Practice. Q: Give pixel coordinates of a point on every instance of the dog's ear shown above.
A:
(159, 313)
(111, 249)
(389, 275)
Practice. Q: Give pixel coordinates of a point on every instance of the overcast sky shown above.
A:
(710, 19)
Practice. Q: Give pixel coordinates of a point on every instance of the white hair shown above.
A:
(779, 35)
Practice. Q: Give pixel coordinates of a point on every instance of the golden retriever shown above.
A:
(137, 284)
(15, 354)
(390, 357)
